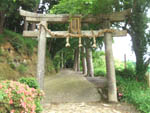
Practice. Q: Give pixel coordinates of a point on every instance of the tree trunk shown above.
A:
(138, 26)
(89, 60)
(62, 60)
(112, 90)
(139, 50)
(76, 66)
(2, 20)
(84, 63)
(75, 60)
(78, 59)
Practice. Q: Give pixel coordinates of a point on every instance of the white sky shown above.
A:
(122, 46)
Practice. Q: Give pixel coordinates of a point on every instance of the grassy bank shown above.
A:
(18, 56)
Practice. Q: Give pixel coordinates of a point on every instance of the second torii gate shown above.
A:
(43, 33)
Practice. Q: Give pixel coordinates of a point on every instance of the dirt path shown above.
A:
(60, 97)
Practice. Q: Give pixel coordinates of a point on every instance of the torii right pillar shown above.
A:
(112, 89)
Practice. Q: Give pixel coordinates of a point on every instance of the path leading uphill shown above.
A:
(70, 92)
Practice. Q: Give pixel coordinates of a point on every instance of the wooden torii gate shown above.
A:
(105, 19)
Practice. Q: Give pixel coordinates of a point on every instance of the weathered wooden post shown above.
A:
(112, 90)
(41, 55)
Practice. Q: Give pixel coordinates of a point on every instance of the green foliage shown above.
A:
(16, 98)
(49, 64)
(102, 6)
(22, 68)
(99, 63)
(12, 66)
(84, 7)
(2, 39)
(10, 15)
(135, 93)
(72, 7)
(128, 72)
(39, 107)
(30, 44)
(19, 43)
(56, 62)
(1, 52)
(30, 81)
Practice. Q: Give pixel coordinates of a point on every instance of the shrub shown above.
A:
(31, 82)
(127, 73)
(135, 93)
(19, 43)
(30, 44)
(2, 39)
(1, 52)
(12, 66)
(22, 68)
(99, 73)
(18, 98)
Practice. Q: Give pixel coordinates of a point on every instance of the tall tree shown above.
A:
(9, 13)
(76, 66)
(136, 26)
(78, 61)
(89, 59)
(84, 63)
(4, 8)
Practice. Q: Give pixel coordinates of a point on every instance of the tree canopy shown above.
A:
(83, 7)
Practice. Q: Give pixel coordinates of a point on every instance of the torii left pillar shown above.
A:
(41, 55)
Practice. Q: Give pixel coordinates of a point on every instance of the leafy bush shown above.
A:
(30, 44)
(99, 63)
(12, 66)
(2, 39)
(18, 98)
(135, 93)
(127, 73)
(31, 82)
(1, 52)
(22, 68)
(99, 72)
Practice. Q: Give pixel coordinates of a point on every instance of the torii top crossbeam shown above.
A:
(64, 18)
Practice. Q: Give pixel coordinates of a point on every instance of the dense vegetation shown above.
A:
(134, 92)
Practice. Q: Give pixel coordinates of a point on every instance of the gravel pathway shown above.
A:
(79, 107)
(89, 108)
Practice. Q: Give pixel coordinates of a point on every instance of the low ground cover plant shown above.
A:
(134, 92)
(16, 97)
(30, 81)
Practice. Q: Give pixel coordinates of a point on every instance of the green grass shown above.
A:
(21, 44)
(136, 93)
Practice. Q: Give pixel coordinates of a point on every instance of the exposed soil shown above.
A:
(79, 107)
